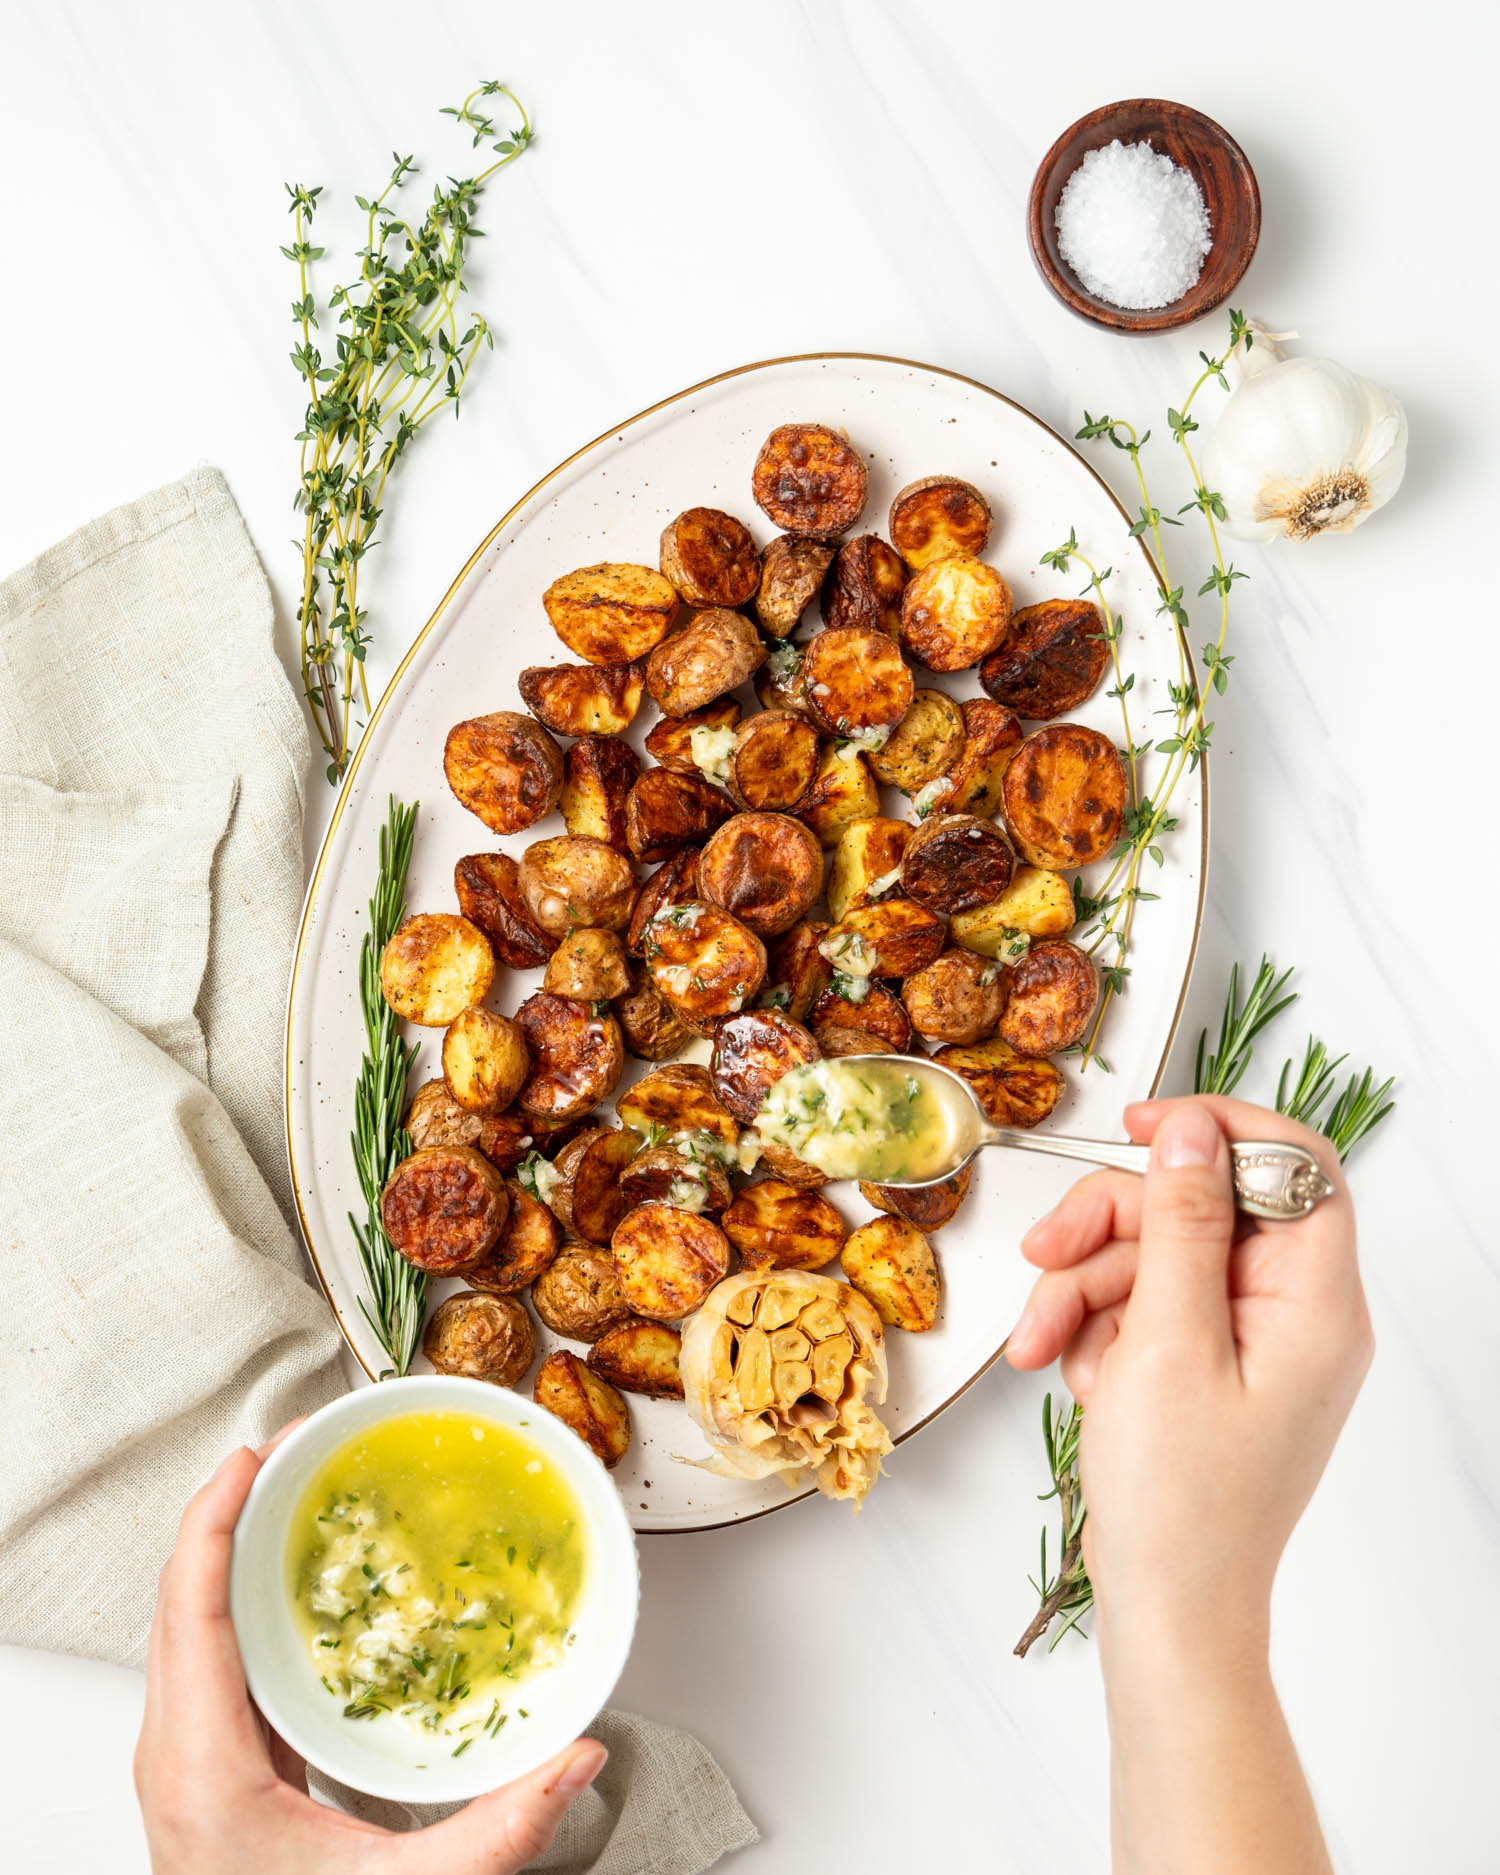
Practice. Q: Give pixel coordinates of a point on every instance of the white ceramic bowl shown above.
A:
(381, 1756)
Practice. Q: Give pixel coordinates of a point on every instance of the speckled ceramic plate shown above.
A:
(610, 501)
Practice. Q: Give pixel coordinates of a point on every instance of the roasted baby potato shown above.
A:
(751, 1053)
(675, 1100)
(1050, 996)
(481, 1337)
(576, 880)
(435, 1118)
(856, 680)
(485, 1060)
(1013, 1090)
(809, 480)
(554, 1184)
(878, 1015)
(588, 965)
(777, 1226)
(586, 1403)
(1034, 904)
(779, 683)
(713, 653)
(641, 1357)
(842, 792)
(599, 773)
(975, 784)
(436, 966)
(583, 699)
(958, 997)
(954, 612)
(866, 864)
(710, 557)
(1052, 659)
(488, 887)
(578, 1294)
(783, 1164)
(662, 1172)
(612, 614)
(954, 862)
(774, 760)
(939, 518)
(864, 589)
(1066, 792)
(892, 1265)
(792, 570)
(598, 1203)
(929, 1207)
(443, 1208)
(666, 812)
(651, 1027)
(840, 1041)
(668, 1260)
(671, 740)
(507, 1139)
(525, 1247)
(767, 869)
(671, 884)
(924, 745)
(577, 1057)
(705, 962)
(505, 768)
(902, 934)
(798, 971)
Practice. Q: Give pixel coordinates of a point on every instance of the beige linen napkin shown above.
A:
(152, 762)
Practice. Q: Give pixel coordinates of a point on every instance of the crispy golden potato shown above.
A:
(924, 745)
(1051, 994)
(864, 589)
(598, 1202)
(640, 1357)
(661, 1172)
(837, 1040)
(783, 1164)
(975, 783)
(954, 862)
(780, 683)
(929, 1207)
(809, 480)
(577, 1057)
(710, 557)
(481, 1337)
(488, 887)
(578, 1294)
(674, 1100)
(1066, 793)
(1013, 1090)
(525, 1247)
(666, 812)
(554, 1185)
(767, 869)
(954, 612)
(575, 880)
(792, 570)
(505, 768)
(436, 966)
(856, 680)
(704, 961)
(878, 1015)
(506, 1139)
(751, 1053)
(1052, 659)
(902, 934)
(777, 1226)
(1034, 904)
(842, 792)
(939, 518)
(435, 1118)
(651, 1027)
(443, 1208)
(892, 1266)
(958, 997)
(600, 771)
(774, 760)
(485, 1060)
(797, 970)
(588, 965)
(583, 699)
(671, 740)
(866, 864)
(668, 1260)
(586, 1403)
(713, 653)
(612, 614)
(671, 884)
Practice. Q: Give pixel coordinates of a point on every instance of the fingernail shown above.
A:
(583, 1769)
(1188, 1136)
(1040, 1225)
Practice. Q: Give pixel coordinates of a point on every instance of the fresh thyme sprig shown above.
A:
(397, 1300)
(399, 358)
(1069, 1595)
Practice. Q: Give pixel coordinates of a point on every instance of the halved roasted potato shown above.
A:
(588, 965)
(583, 699)
(668, 1259)
(704, 961)
(508, 1139)
(779, 683)
(856, 680)
(878, 1014)
(773, 761)
(1035, 904)
(792, 570)
(488, 889)
(939, 518)
(671, 739)
(652, 1029)
(797, 970)
(866, 864)
(577, 1057)
(751, 1053)
(929, 1207)
(586, 1403)
(485, 1060)
(525, 1247)
(481, 1337)
(598, 1203)
(780, 1162)
(1066, 792)
(443, 1207)
(578, 1294)
(710, 557)
(958, 997)
(810, 480)
(599, 773)
(923, 746)
(553, 1182)
(699, 1183)
(902, 934)
(767, 869)
(1051, 993)
(1012, 1089)
(675, 1101)
(575, 880)
(435, 1118)
(673, 883)
(505, 768)
(975, 783)
(713, 653)
(892, 1265)
(954, 612)
(666, 812)
(777, 1226)
(842, 792)
(954, 862)
(640, 1357)
(612, 614)
(864, 589)
(1052, 659)
(436, 966)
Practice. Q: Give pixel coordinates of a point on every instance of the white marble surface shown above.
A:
(716, 184)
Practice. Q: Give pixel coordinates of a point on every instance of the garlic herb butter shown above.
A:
(864, 1119)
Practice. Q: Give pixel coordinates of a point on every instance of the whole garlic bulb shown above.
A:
(1303, 447)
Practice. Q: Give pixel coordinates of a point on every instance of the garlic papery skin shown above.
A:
(1303, 447)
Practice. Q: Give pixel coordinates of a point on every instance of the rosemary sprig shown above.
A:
(1304, 1098)
(398, 1292)
(1069, 1594)
(1222, 1071)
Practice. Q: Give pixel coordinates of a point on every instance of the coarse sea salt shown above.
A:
(1133, 226)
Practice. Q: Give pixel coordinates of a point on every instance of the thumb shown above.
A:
(1187, 1229)
(508, 1829)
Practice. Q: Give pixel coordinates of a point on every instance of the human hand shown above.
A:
(221, 1794)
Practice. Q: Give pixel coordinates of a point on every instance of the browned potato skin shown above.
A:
(954, 613)
(436, 966)
(939, 518)
(954, 862)
(958, 997)
(751, 1053)
(578, 1295)
(864, 589)
(792, 570)
(653, 1173)
(613, 613)
(576, 880)
(842, 792)
(598, 1201)
(880, 1015)
(485, 1060)
(992, 734)
(600, 772)
(482, 1337)
(710, 557)
(651, 1027)
(666, 812)
(774, 762)
(680, 1097)
(435, 1118)
(891, 1264)
(577, 1056)
(524, 1248)
(797, 965)
(767, 869)
(565, 1164)
(856, 679)
(786, 692)
(903, 934)
(777, 1226)
(867, 851)
(668, 1260)
(589, 966)
(926, 743)
(583, 699)
(1051, 996)
(674, 883)
(1012, 1089)
(640, 1357)
(671, 740)
(1065, 796)
(1052, 659)
(443, 1208)
(724, 962)
(586, 1403)
(929, 1207)
(505, 768)
(809, 480)
(712, 654)
(488, 887)
(836, 1041)
(783, 1164)
(507, 1138)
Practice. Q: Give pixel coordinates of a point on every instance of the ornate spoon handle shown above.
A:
(1271, 1180)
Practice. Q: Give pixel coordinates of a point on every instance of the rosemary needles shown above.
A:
(1222, 1071)
(1069, 1595)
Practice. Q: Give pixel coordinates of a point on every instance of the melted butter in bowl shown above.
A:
(869, 1117)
